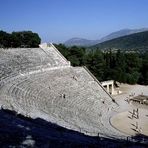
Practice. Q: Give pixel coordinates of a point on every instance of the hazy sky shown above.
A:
(59, 20)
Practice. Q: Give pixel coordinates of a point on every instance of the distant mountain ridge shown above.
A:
(136, 41)
(80, 42)
(121, 33)
(86, 42)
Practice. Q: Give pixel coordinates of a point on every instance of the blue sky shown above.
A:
(59, 20)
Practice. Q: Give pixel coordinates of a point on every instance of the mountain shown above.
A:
(121, 33)
(136, 41)
(80, 42)
(86, 42)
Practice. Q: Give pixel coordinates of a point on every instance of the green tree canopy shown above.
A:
(121, 66)
(19, 39)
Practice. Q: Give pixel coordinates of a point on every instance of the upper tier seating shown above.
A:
(23, 60)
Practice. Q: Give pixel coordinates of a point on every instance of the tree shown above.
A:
(120, 67)
(63, 49)
(19, 39)
(26, 39)
(144, 69)
(95, 63)
(4, 39)
(76, 55)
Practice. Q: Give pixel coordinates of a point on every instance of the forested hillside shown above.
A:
(137, 41)
(126, 67)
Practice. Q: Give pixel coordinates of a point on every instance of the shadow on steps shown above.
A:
(17, 130)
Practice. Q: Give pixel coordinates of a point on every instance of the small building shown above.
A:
(109, 86)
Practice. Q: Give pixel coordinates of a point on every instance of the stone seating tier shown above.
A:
(39, 82)
(68, 96)
(22, 60)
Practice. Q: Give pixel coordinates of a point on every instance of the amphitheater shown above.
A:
(40, 82)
